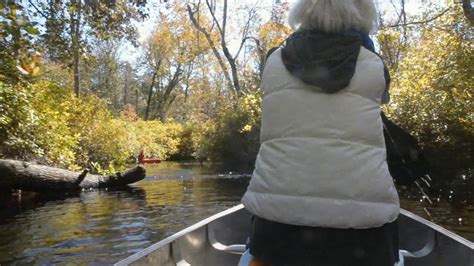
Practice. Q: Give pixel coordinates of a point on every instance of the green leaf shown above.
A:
(72, 9)
(32, 30)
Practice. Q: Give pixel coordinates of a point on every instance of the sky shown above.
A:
(131, 54)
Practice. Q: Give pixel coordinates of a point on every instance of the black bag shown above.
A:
(405, 159)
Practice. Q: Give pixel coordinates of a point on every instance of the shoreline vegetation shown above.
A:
(66, 99)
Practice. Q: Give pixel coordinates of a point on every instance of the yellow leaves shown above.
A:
(159, 140)
(246, 128)
(432, 87)
(388, 35)
(53, 132)
(175, 39)
(272, 34)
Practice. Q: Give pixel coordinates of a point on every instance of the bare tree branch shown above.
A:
(420, 22)
(245, 31)
(37, 9)
(224, 19)
(235, 84)
(211, 43)
(214, 19)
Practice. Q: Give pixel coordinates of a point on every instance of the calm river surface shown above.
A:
(103, 227)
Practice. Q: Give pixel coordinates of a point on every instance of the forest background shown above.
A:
(68, 99)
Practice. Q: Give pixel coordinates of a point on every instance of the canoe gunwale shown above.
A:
(438, 229)
(181, 233)
(434, 233)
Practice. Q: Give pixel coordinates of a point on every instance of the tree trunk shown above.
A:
(38, 178)
(468, 11)
(165, 98)
(125, 89)
(150, 95)
(75, 33)
(136, 101)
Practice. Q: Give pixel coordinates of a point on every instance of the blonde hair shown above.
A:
(333, 15)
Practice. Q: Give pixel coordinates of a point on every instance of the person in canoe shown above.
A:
(321, 192)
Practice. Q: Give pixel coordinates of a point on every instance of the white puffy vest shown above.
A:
(322, 160)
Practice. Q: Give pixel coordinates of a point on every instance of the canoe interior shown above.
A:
(203, 243)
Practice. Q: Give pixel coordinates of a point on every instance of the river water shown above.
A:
(103, 227)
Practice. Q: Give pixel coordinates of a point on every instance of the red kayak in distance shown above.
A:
(143, 160)
(149, 161)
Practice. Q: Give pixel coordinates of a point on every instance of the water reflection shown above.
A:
(105, 226)
(83, 227)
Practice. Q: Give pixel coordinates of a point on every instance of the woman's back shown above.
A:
(321, 191)
(323, 161)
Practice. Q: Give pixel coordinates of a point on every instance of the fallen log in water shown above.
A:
(33, 177)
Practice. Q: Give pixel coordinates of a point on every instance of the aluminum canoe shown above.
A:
(219, 240)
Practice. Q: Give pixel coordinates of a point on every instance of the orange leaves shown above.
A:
(31, 68)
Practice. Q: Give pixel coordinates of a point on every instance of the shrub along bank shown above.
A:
(47, 123)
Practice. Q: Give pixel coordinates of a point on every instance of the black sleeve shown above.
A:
(405, 159)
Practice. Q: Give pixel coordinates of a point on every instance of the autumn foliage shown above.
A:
(432, 90)
(180, 101)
